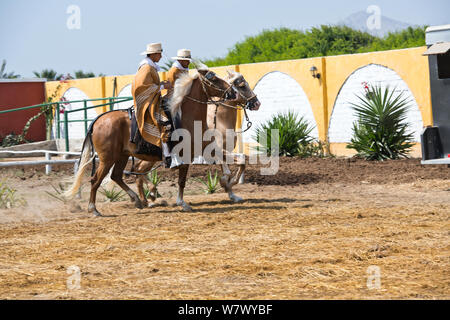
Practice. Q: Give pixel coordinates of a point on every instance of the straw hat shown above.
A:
(183, 54)
(153, 48)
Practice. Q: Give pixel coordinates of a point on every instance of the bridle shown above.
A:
(205, 80)
(241, 106)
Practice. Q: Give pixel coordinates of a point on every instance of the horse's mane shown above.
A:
(182, 88)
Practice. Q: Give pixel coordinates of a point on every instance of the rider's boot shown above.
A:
(171, 160)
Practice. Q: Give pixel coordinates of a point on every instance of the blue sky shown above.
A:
(34, 34)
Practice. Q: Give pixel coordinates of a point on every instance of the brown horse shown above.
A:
(222, 117)
(109, 136)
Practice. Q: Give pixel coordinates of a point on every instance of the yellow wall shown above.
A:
(411, 66)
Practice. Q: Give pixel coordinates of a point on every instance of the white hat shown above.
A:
(153, 48)
(183, 54)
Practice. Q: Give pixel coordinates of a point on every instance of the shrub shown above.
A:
(12, 139)
(294, 133)
(316, 148)
(381, 131)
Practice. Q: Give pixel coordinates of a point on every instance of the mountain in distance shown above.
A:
(358, 21)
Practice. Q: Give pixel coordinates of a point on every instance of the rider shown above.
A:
(146, 91)
(180, 65)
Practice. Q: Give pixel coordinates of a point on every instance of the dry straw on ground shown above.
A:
(309, 241)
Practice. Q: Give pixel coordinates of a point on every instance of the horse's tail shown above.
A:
(87, 156)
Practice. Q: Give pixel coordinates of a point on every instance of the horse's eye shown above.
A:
(210, 75)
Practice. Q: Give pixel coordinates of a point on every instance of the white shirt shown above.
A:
(150, 63)
(178, 65)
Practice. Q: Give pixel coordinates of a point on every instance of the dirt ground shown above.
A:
(313, 231)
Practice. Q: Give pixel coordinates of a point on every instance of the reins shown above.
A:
(222, 103)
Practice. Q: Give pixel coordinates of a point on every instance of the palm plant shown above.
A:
(381, 131)
(80, 74)
(167, 65)
(294, 131)
(5, 75)
(49, 74)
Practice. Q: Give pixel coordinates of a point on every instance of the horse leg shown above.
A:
(182, 174)
(227, 182)
(117, 176)
(142, 167)
(234, 181)
(100, 174)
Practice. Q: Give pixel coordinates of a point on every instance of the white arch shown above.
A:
(76, 129)
(343, 116)
(125, 92)
(279, 92)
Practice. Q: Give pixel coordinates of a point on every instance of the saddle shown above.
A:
(142, 146)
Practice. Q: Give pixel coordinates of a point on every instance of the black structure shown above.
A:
(436, 139)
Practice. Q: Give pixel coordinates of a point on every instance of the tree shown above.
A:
(284, 44)
(49, 74)
(5, 75)
(81, 74)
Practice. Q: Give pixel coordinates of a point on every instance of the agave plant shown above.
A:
(58, 194)
(9, 198)
(113, 195)
(155, 180)
(381, 131)
(211, 183)
(294, 131)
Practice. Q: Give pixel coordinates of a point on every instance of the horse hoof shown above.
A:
(97, 214)
(185, 207)
(93, 209)
(236, 199)
(164, 203)
(139, 205)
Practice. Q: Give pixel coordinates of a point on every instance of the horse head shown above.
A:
(246, 96)
(215, 86)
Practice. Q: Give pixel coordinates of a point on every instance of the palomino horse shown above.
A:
(109, 136)
(222, 117)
